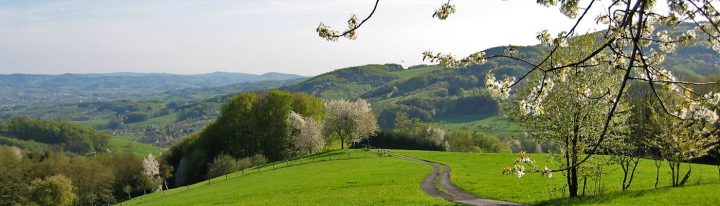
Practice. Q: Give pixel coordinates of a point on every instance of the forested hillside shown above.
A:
(62, 135)
(352, 82)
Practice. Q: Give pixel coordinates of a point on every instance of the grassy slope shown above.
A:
(95, 123)
(410, 73)
(481, 174)
(124, 143)
(494, 125)
(160, 120)
(367, 180)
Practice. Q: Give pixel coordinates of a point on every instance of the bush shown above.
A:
(223, 164)
(244, 163)
(258, 159)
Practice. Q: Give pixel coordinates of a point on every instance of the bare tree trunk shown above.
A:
(632, 173)
(687, 175)
(658, 163)
(672, 172)
(624, 164)
(574, 180)
(584, 185)
(342, 143)
(628, 164)
(567, 164)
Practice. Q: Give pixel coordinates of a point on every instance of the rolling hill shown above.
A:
(36, 89)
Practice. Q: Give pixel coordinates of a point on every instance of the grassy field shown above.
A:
(161, 120)
(125, 143)
(94, 123)
(365, 179)
(481, 174)
(494, 125)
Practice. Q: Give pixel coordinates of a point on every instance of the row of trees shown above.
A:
(275, 126)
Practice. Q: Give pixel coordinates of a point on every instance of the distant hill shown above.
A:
(457, 96)
(34, 89)
(352, 82)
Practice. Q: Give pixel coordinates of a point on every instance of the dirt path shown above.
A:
(440, 176)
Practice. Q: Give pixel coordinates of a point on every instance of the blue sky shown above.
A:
(252, 36)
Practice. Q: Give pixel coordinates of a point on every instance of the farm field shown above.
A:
(125, 143)
(494, 125)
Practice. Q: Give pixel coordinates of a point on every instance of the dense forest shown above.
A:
(64, 135)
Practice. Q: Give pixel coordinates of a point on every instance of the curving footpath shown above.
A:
(450, 192)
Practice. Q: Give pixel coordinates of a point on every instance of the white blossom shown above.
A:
(547, 171)
(498, 89)
(327, 33)
(151, 167)
(713, 98)
(306, 135)
(521, 172)
(544, 37)
(561, 40)
(444, 11)
(698, 111)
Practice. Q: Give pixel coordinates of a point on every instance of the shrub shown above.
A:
(223, 164)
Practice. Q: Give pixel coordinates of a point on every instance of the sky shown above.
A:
(252, 36)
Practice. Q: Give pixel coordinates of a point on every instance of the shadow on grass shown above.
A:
(606, 198)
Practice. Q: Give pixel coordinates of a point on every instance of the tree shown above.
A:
(14, 177)
(275, 110)
(53, 190)
(572, 115)
(682, 140)
(128, 190)
(151, 169)
(306, 134)
(631, 45)
(127, 170)
(348, 121)
(222, 165)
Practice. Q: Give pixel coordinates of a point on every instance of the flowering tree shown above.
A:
(630, 44)
(349, 121)
(151, 169)
(572, 115)
(682, 140)
(306, 135)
